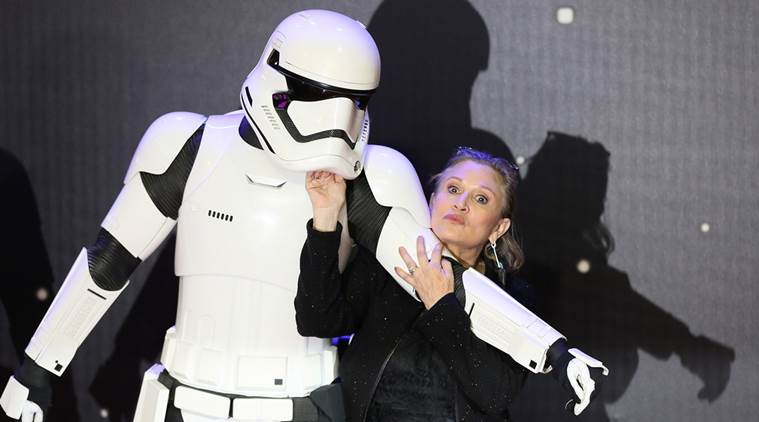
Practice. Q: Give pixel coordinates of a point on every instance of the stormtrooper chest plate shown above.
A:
(240, 231)
(244, 219)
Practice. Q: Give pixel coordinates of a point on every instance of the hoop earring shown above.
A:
(495, 255)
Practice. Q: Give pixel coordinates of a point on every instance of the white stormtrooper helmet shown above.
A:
(307, 96)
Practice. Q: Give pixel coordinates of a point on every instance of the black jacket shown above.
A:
(365, 300)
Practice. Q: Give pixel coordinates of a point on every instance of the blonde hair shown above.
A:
(507, 247)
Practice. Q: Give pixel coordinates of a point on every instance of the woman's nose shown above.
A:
(460, 203)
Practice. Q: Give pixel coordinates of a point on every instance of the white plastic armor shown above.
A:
(241, 220)
(154, 397)
(578, 373)
(505, 324)
(76, 309)
(161, 142)
(14, 399)
(341, 57)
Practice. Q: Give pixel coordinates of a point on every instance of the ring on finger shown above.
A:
(412, 270)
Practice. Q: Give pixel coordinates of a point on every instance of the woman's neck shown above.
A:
(468, 258)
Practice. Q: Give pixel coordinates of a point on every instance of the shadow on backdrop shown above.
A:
(561, 202)
(26, 287)
(429, 66)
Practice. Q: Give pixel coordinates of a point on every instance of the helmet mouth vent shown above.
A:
(299, 137)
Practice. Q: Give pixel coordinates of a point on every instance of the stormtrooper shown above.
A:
(232, 186)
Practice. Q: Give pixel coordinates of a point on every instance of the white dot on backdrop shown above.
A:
(583, 266)
(705, 227)
(520, 160)
(42, 294)
(104, 413)
(565, 15)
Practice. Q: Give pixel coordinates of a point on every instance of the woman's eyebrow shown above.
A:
(481, 186)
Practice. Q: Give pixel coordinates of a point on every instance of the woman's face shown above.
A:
(466, 209)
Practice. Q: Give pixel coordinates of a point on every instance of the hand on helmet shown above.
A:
(326, 191)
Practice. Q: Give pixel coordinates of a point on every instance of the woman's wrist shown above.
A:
(325, 219)
(438, 300)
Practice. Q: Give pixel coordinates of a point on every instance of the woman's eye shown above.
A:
(453, 189)
(481, 199)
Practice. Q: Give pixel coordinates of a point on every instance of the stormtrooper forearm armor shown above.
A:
(85, 295)
(77, 307)
(501, 321)
(399, 216)
(497, 318)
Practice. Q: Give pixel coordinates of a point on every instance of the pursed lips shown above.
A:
(454, 218)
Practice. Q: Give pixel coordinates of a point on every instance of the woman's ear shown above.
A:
(500, 229)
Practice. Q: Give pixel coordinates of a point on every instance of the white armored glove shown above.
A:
(27, 395)
(31, 412)
(15, 404)
(578, 373)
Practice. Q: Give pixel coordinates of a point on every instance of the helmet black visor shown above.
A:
(304, 89)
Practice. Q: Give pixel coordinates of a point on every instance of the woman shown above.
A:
(412, 361)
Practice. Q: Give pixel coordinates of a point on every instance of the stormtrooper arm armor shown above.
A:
(142, 216)
(383, 217)
(501, 321)
(387, 209)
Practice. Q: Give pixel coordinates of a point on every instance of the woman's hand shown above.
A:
(327, 193)
(432, 279)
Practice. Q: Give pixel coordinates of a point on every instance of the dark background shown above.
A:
(653, 105)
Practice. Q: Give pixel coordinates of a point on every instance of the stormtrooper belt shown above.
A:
(221, 405)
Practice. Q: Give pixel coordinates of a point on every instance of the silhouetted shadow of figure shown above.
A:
(27, 278)
(431, 54)
(116, 386)
(560, 204)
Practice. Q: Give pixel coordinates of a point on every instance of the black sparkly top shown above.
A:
(404, 364)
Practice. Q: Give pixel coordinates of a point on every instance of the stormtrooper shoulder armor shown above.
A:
(394, 182)
(162, 141)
